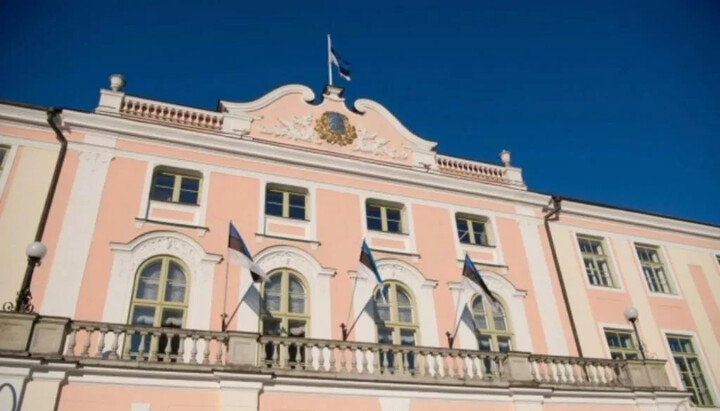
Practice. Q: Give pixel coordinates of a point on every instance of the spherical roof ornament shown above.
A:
(505, 157)
(117, 82)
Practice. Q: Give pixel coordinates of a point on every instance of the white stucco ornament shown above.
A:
(505, 157)
(117, 82)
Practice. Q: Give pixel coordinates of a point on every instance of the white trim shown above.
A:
(78, 230)
(363, 105)
(305, 93)
(618, 284)
(546, 299)
(317, 277)
(9, 161)
(495, 249)
(672, 281)
(615, 326)
(707, 371)
(127, 258)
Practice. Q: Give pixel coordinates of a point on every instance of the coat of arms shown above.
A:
(335, 128)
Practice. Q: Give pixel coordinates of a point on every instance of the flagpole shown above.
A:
(451, 337)
(329, 61)
(343, 327)
(224, 314)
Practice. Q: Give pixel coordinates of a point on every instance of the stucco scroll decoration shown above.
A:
(368, 142)
(300, 128)
(297, 128)
(167, 245)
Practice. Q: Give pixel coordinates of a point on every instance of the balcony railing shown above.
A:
(122, 345)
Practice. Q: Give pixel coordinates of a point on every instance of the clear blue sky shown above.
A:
(616, 102)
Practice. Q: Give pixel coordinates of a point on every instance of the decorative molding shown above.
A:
(363, 105)
(368, 142)
(305, 93)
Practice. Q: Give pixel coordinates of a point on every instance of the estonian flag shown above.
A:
(239, 253)
(368, 268)
(472, 273)
(342, 65)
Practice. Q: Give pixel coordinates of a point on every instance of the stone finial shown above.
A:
(505, 157)
(117, 82)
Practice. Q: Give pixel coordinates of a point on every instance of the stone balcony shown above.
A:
(84, 343)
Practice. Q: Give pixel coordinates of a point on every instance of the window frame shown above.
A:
(6, 153)
(160, 303)
(697, 355)
(469, 220)
(614, 283)
(652, 265)
(285, 315)
(178, 177)
(384, 206)
(622, 351)
(491, 329)
(394, 324)
(286, 192)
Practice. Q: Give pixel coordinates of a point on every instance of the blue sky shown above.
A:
(615, 102)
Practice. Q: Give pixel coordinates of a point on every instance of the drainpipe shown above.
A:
(556, 206)
(23, 303)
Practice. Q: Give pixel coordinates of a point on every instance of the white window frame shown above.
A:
(608, 257)
(619, 286)
(707, 371)
(662, 255)
(9, 161)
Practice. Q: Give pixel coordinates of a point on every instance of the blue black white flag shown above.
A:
(239, 253)
(368, 268)
(342, 65)
(471, 272)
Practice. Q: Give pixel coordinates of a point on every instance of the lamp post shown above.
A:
(631, 314)
(23, 303)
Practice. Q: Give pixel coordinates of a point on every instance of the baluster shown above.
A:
(474, 372)
(309, 352)
(343, 360)
(166, 351)
(275, 354)
(376, 360)
(206, 351)
(194, 350)
(406, 362)
(86, 346)
(570, 371)
(283, 353)
(219, 344)
(70, 350)
(384, 361)
(181, 349)
(593, 378)
(154, 342)
(546, 367)
(354, 363)
(101, 344)
(298, 355)
(115, 345)
(436, 364)
(141, 349)
(455, 369)
(365, 364)
(603, 374)
(464, 359)
(331, 357)
(426, 363)
(561, 371)
(446, 370)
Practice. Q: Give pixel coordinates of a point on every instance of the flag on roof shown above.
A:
(239, 253)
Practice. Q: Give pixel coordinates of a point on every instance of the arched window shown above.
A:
(492, 327)
(395, 316)
(159, 300)
(285, 305)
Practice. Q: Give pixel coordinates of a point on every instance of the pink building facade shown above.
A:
(130, 298)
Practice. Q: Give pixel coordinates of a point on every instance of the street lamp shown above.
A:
(631, 314)
(35, 252)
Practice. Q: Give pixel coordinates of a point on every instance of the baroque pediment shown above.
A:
(288, 116)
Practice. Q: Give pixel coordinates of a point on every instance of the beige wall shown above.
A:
(22, 201)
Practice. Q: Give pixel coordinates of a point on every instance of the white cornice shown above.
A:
(230, 145)
(362, 105)
(305, 92)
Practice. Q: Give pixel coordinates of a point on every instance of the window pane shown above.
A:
(297, 303)
(296, 328)
(272, 302)
(462, 227)
(405, 314)
(626, 340)
(297, 200)
(612, 339)
(163, 187)
(374, 223)
(172, 317)
(479, 233)
(144, 316)
(631, 356)
(402, 297)
(484, 343)
(504, 344)
(274, 203)
(190, 184)
(162, 194)
(271, 326)
(175, 287)
(297, 213)
(499, 320)
(385, 336)
(188, 197)
(393, 214)
(394, 226)
(149, 281)
(373, 211)
(407, 337)
(383, 312)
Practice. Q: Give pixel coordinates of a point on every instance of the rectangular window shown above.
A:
(596, 261)
(654, 269)
(288, 202)
(4, 150)
(175, 187)
(688, 365)
(622, 344)
(384, 217)
(472, 229)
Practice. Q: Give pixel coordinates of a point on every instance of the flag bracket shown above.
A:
(345, 332)
(450, 338)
